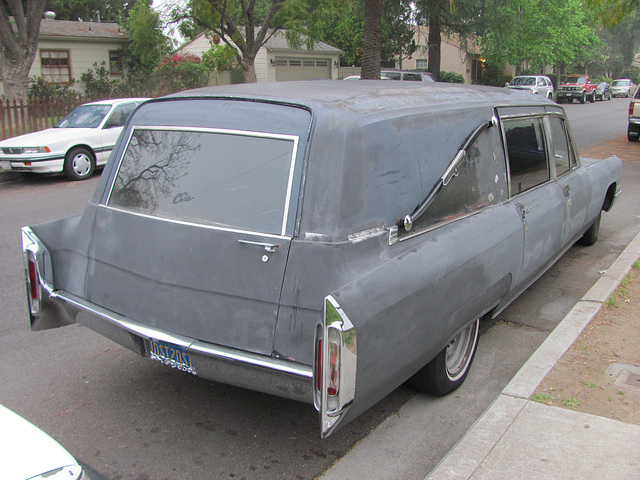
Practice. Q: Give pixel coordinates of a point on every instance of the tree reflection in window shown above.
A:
(154, 162)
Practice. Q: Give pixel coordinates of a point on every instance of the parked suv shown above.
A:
(538, 84)
(633, 132)
(622, 87)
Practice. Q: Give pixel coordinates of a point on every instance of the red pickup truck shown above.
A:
(576, 86)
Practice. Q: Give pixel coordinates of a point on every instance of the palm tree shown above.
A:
(372, 40)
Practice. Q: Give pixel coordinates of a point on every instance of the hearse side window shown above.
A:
(220, 178)
(564, 158)
(481, 181)
(527, 153)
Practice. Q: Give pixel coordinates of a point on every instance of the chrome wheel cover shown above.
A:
(460, 351)
(81, 164)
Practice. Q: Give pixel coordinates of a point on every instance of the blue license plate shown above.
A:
(171, 355)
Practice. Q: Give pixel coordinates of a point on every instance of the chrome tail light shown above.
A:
(335, 366)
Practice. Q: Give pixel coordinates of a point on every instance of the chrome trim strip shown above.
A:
(287, 198)
(50, 158)
(187, 343)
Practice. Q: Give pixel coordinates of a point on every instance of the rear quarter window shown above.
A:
(228, 179)
(527, 155)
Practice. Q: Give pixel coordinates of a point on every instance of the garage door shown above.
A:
(302, 69)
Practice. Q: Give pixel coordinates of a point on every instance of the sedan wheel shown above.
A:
(447, 371)
(79, 164)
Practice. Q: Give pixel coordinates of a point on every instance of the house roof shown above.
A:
(65, 29)
(279, 42)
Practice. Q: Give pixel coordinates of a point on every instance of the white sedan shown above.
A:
(29, 453)
(79, 143)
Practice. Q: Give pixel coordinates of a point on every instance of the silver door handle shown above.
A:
(269, 247)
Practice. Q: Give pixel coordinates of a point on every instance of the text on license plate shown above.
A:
(171, 355)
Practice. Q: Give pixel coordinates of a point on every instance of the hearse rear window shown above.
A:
(230, 179)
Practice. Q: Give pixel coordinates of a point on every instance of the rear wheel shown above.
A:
(593, 97)
(633, 133)
(583, 98)
(79, 163)
(447, 371)
(590, 237)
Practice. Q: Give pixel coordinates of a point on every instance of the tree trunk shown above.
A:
(249, 71)
(372, 40)
(18, 45)
(15, 79)
(434, 42)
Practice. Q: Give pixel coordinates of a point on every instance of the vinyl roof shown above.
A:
(371, 96)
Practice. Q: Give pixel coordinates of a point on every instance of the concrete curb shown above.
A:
(480, 440)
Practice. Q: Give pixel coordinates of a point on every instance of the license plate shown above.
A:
(5, 166)
(171, 355)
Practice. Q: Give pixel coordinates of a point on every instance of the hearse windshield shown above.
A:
(231, 179)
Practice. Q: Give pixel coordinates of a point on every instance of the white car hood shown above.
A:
(47, 137)
(28, 451)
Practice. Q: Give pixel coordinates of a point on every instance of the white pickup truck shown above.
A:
(633, 132)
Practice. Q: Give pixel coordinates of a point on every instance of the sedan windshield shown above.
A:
(620, 83)
(85, 116)
(523, 81)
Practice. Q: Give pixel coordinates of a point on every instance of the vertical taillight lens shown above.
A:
(34, 283)
(319, 366)
(631, 107)
(334, 364)
(33, 278)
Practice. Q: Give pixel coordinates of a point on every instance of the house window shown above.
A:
(115, 62)
(477, 69)
(55, 66)
(422, 64)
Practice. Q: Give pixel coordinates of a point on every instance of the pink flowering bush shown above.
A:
(181, 72)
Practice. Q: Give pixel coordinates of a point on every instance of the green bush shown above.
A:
(97, 83)
(451, 77)
(220, 58)
(40, 88)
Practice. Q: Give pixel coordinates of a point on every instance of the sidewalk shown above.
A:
(517, 438)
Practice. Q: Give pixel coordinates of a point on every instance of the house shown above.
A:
(276, 61)
(68, 49)
(454, 57)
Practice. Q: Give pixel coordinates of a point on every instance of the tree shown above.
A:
(19, 36)
(538, 33)
(344, 29)
(612, 12)
(451, 18)
(247, 26)
(147, 44)
(372, 47)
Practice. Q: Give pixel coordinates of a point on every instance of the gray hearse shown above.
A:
(321, 241)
